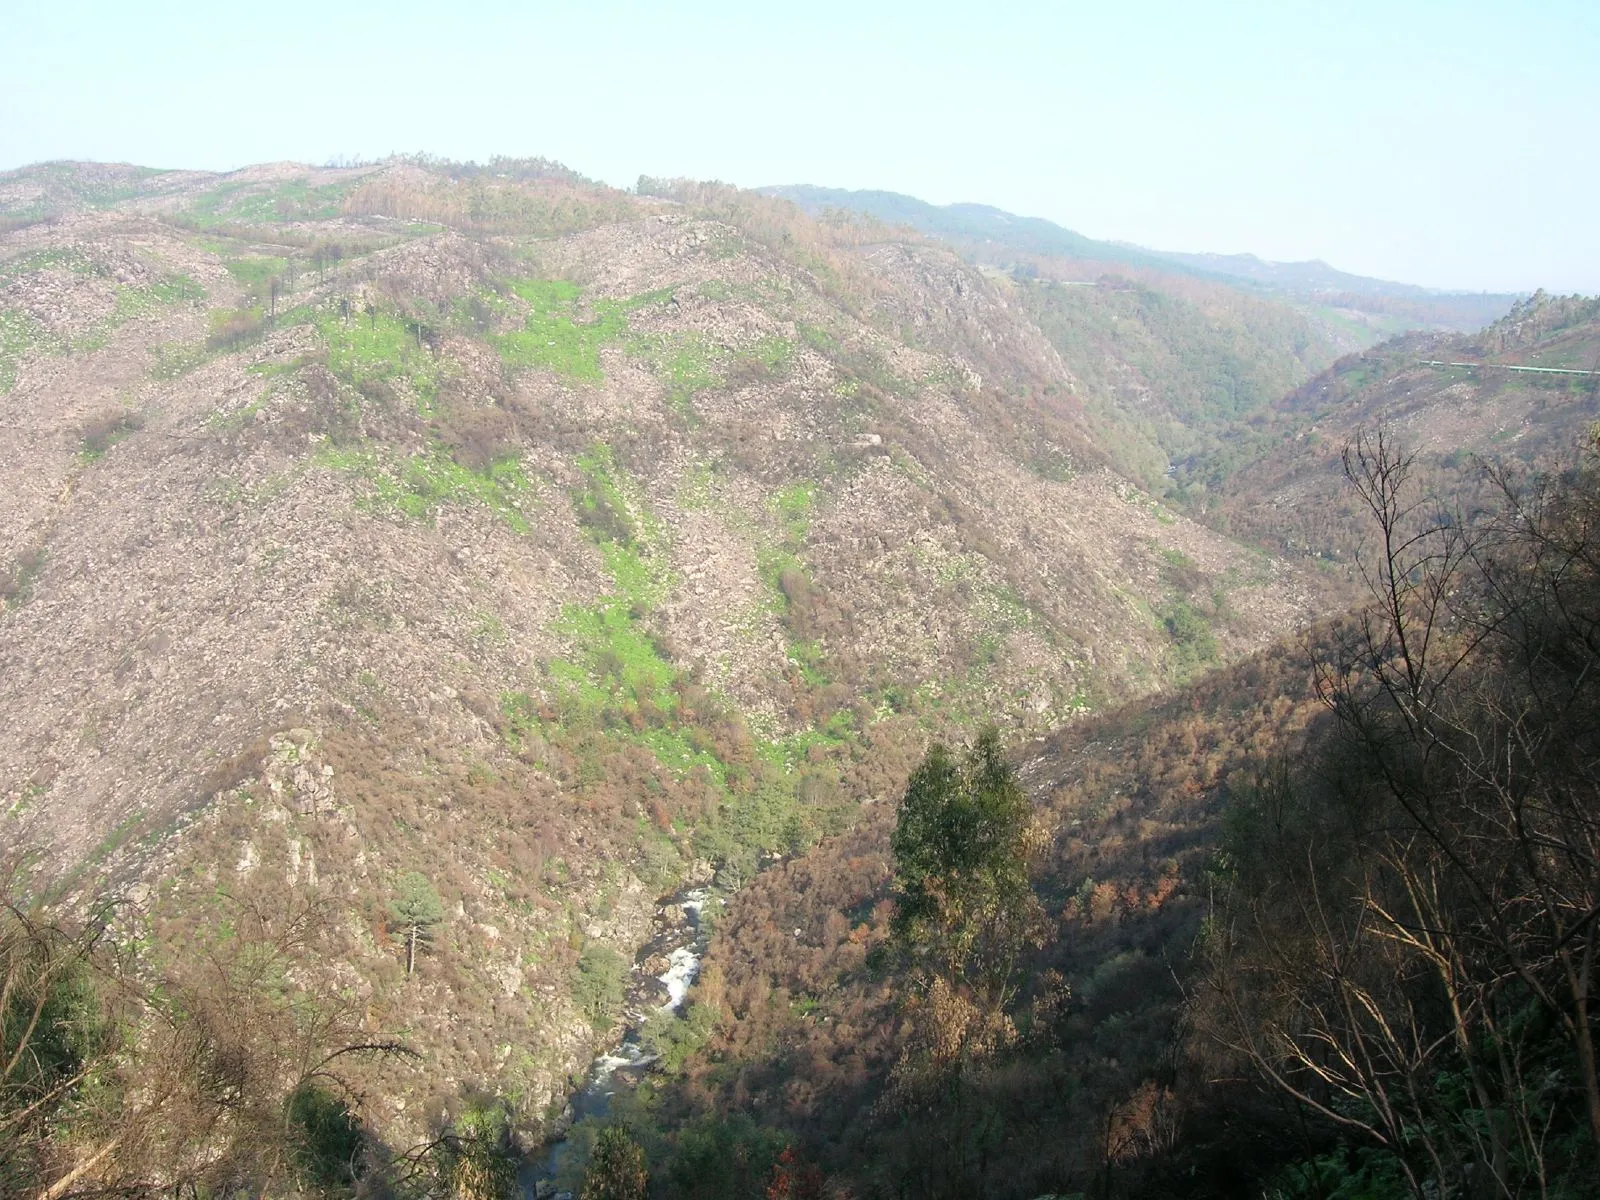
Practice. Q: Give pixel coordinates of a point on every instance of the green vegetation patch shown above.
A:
(793, 505)
(779, 562)
(256, 271)
(418, 485)
(619, 665)
(598, 982)
(554, 339)
(686, 364)
(20, 334)
(379, 346)
(689, 363)
(631, 539)
(774, 353)
(618, 692)
(555, 336)
(70, 257)
(619, 677)
(1194, 646)
(242, 204)
(105, 431)
(789, 580)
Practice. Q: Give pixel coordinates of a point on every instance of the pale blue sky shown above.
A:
(1450, 144)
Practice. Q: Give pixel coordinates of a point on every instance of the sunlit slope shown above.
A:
(551, 541)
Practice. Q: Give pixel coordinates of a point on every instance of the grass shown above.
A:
(555, 338)
(17, 579)
(780, 563)
(618, 667)
(793, 506)
(418, 485)
(808, 659)
(552, 338)
(235, 204)
(618, 664)
(73, 259)
(687, 365)
(256, 271)
(379, 346)
(617, 681)
(774, 353)
(616, 687)
(791, 753)
(97, 193)
(631, 539)
(19, 334)
(102, 434)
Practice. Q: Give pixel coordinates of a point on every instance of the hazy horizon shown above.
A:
(1423, 143)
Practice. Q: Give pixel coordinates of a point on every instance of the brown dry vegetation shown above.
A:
(559, 544)
(320, 618)
(1100, 1082)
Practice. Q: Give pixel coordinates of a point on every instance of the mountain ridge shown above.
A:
(1312, 280)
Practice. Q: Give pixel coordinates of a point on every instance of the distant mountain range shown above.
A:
(1401, 305)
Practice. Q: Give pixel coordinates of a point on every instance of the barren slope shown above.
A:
(552, 542)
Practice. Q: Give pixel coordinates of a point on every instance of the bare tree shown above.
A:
(122, 1079)
(1418, 942)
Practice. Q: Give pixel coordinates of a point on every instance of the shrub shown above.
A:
(102, 432)
(330, 1137)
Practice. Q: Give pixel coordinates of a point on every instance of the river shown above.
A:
(680, 940)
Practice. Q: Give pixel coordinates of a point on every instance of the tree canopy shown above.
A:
(961, 845)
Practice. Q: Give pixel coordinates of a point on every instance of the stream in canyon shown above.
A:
(679, 941)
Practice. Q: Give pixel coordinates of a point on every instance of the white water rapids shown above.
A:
(629, 1056)
(684, 961)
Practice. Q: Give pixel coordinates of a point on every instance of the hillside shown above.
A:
(1178, 373)
(556, 544)
(1182, 358)
(1286, 943)
(1102, 1079)
(1450, 400)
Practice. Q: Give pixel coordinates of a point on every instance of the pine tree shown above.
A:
(416, 910)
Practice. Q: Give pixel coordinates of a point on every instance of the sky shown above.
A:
(1447, 144)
